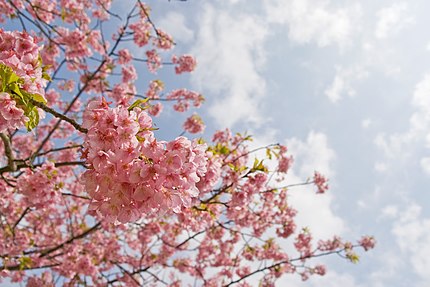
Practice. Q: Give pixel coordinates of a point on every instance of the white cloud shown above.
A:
(314, 154)
(229, 50)
(425, 164)
(392, 19)
(366, 123)
(313, 21)
(175, 24)
(331, 279)
(342, 83)
(399, 144)
(390, 211)
(412, 233)
(380, 167)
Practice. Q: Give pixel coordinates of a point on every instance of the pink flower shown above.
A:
(155, 110)
(183, 98)
(367, 242)
(11, 116)
(128, 175)
(194, 124)
(20, 52)
(321, 182)
(153, 61)
(124, 56)
(163, 41)
(128, 74)
(184, 64)
(141, 32)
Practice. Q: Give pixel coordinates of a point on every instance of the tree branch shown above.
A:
(59, 116)
(9, 153)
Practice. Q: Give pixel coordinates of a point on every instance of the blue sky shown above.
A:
(346, 85)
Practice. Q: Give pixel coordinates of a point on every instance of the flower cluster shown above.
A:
(11, 116)
(367, 242)
(20, 52)
(184, 64)
(154, 60)
(285, 162)
(194, 124)
(130, 172)
(141, 32)
(41, 187)
(183, 98)
(321, 182)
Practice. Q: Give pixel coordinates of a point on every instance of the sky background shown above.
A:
(346, 86)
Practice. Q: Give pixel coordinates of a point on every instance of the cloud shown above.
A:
(412, 234)
(314, 154)
(401, 144)
(229, 51)
(342, 82)
(175, 24)
(366, 123)
(313, 21)
(425, 164)
(391, 20)
(331, 279)
(380, 166)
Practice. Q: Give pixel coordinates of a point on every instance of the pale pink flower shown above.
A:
(194, 124)
(321, 182)
(184, 64)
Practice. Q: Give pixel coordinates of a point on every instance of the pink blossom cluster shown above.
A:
(141, 32)
(303, 243)
(367, 242)
(42, 9)
(124, 56)
(154, 89)
(5, 10)
(11, 116)
(285, 162)
(122, 93)
(20, 52)
(75, 43)
(42, 186)
(130, 172)
(331, 244)
(49, 53)
(155, 109)
(184, 64)
(163, 41)
(183, 97)
(321, 182)
(129, 74)
(45, 280)
(194, 124)
(213, 173)
(153, 61)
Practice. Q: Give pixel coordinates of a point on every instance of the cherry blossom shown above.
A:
(91, 193)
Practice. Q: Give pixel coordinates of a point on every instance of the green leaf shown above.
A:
(25, 262)
(353, 257)
(258, 166)
(269, 153)
(16, 92)
(7, 77)
(46, 77)
(33, 119)
(137, 103)
(38, 98)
